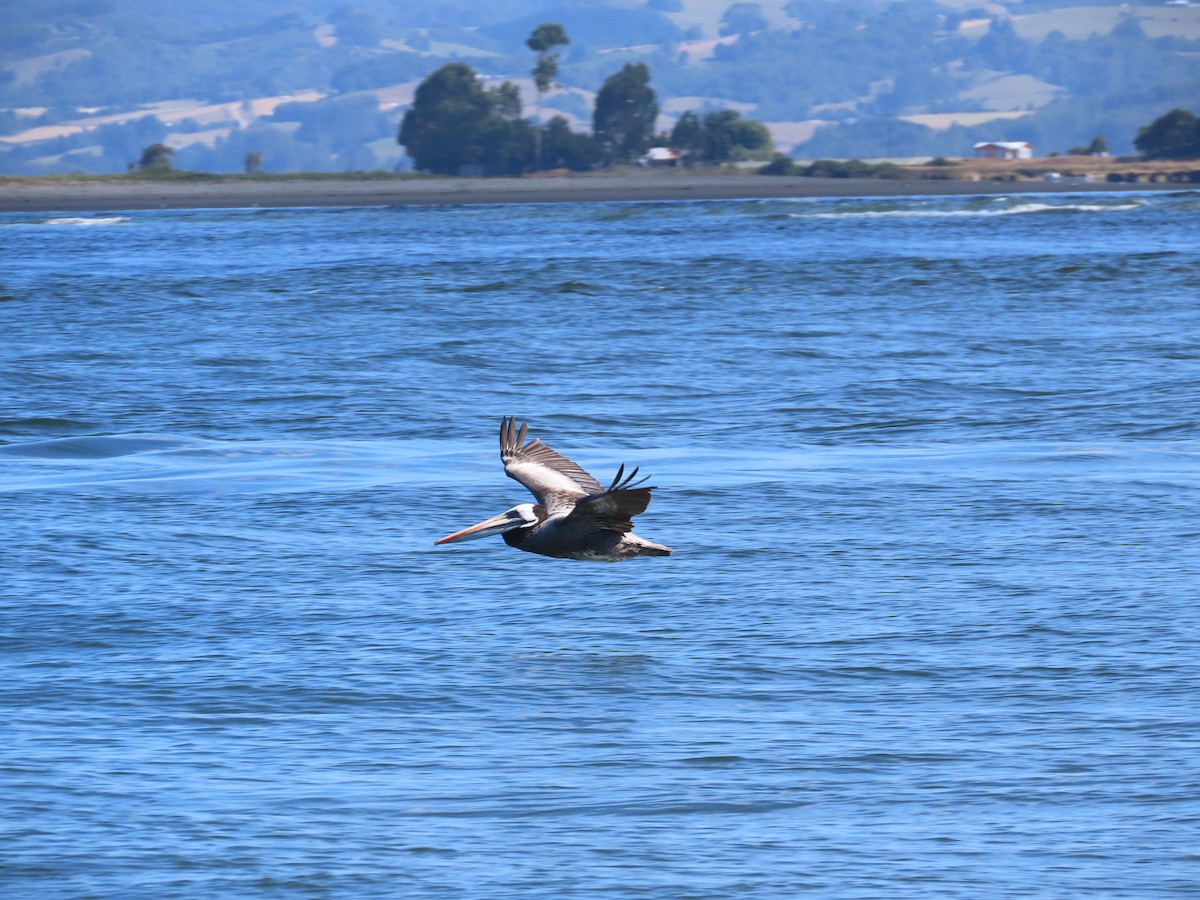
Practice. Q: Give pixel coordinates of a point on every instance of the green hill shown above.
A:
(86, 84)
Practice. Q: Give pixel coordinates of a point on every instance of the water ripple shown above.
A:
(930, 466)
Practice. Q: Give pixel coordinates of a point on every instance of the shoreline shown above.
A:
(117, 195)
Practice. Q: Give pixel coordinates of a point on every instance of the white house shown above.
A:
(661, 156)
(1004, 150)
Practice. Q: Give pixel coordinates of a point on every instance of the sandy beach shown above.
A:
(127, 194)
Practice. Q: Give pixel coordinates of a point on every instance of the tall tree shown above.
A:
(455, 123)
(544, 41)
(1174, 135)
(626, 107)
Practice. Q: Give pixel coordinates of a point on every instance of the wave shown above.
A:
(174, 464)
(87, 221)
(31, 426)
(1018, 209)
(182, 464)
(91, 446)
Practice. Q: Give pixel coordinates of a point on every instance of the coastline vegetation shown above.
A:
(835, 168)
(1165, 144)
(1128, 170)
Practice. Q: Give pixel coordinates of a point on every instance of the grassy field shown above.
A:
(1006, 93)
(942, 121)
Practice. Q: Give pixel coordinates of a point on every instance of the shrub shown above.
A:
(780, 165)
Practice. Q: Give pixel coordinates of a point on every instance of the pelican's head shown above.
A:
(520, 516)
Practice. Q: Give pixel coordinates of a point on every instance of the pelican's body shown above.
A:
(556, 536)
(574, 517)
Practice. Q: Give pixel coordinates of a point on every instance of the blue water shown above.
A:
(930, 467)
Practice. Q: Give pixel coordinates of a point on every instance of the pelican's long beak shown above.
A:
(506, 521)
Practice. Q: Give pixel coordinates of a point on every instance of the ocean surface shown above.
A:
(931, 470)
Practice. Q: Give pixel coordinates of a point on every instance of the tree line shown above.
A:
(458, 125)
(717, 135)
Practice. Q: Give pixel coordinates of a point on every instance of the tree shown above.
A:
(343, 123)
(1175, 135)
(743, 18)
(455, 123)
(688, 135)
(543, 41)
(722, 135)
(507, 146)
(156, 158)
(441, 130)
(1002, 48)
(1129, 29)
(626, 107)
(506, 100)
(507, 139)
(729, 136)
(566, 149)
(356, 27)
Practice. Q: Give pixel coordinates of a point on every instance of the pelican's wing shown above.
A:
(613, 509)
(553, 479)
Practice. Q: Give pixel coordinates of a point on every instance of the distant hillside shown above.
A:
(85, 85)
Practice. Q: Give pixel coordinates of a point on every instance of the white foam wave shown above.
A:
(1017, 210)
(88, 221)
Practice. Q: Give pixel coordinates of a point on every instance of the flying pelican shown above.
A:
(574, 517)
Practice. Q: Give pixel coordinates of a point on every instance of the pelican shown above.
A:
(574, 517)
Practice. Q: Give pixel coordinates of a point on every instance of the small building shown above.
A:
(661, 156)
(1004, 150)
